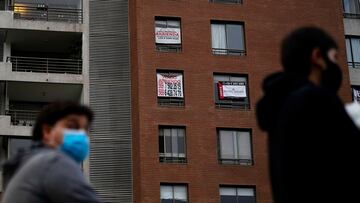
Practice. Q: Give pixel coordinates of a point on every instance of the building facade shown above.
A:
(173, 83)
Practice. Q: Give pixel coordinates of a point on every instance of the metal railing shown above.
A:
(352, 15)
(45, 65)
(234, 52)
(227, 1)
(164, 159)
(164, 101)
(22, 117)
(354, 65)
(168, 47)
(29, 11)
(244, 162)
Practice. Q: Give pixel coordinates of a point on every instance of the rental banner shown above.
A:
(168, 35)
(170, 85)
(232, 90)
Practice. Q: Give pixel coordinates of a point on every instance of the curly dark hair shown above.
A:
(56, 111)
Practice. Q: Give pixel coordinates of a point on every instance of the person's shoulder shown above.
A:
(51, 156)
(313, 94)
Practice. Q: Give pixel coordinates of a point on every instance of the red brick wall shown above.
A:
(266, 23)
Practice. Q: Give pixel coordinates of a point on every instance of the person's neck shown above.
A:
(315, 77)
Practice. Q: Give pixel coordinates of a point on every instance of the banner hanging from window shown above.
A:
(356, 95)
(232, 90)
(170, 85)
(167, 35)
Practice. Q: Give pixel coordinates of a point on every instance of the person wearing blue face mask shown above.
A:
(52, 171)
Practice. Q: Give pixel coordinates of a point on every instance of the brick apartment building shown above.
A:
(174, 84)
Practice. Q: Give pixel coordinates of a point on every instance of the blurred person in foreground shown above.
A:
(51, 171)
(313, 143)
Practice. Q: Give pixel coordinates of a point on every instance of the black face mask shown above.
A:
(331, 77)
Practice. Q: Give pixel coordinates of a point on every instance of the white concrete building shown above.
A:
(43, 58)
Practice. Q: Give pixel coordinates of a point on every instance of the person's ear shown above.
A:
(46, 132)
(317, 59)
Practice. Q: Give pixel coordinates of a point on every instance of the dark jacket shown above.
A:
(312, 142)
(49, 176)
(10, 166)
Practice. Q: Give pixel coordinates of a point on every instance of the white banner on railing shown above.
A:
(168, 35)
(356, 94)
(232, 90)
(170, 85)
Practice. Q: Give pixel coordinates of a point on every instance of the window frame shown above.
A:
(237, 187)
(173, 185)
(238, 52)
(231, 103)
(171, 101)
(352, 63)
(177, 48)
(350, 15)
(227, 1)
(171, 160)
(247, 163)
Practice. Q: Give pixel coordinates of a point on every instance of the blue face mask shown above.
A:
(75, 144)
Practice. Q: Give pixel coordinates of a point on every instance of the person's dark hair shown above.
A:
(298, 46)
(56, 111)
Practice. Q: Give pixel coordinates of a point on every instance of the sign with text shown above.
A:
(167, 35)
(232, 90)
(170, 85)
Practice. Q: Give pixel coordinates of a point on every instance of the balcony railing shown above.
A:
(45, 65)
(28, 11)
(352, 15)
(227, 1)
(168, 47)
(22, 117)
(234, 52)
(354, 65)
(244, 162)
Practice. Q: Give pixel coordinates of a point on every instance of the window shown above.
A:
(173, 193)
(235, 147)
(231, 91)
(228, 38)
(237, 195)
(351, 8)
(172, 145)
(227, 1)
(170, 88)
(353, 51)
(168, 34)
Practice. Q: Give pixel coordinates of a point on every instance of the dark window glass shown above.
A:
(351, 8)
(172, 147)
(228, 38)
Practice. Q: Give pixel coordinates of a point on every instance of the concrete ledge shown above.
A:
(7, 21)
(354, 76)
(352, 26)
(6, 74)
(7, 129)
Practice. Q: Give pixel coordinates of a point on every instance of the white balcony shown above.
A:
(8, 129)
(8, 72)
(8, 20)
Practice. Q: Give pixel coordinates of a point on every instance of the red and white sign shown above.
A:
(167, 35)
(232, 90)
(170, 85)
